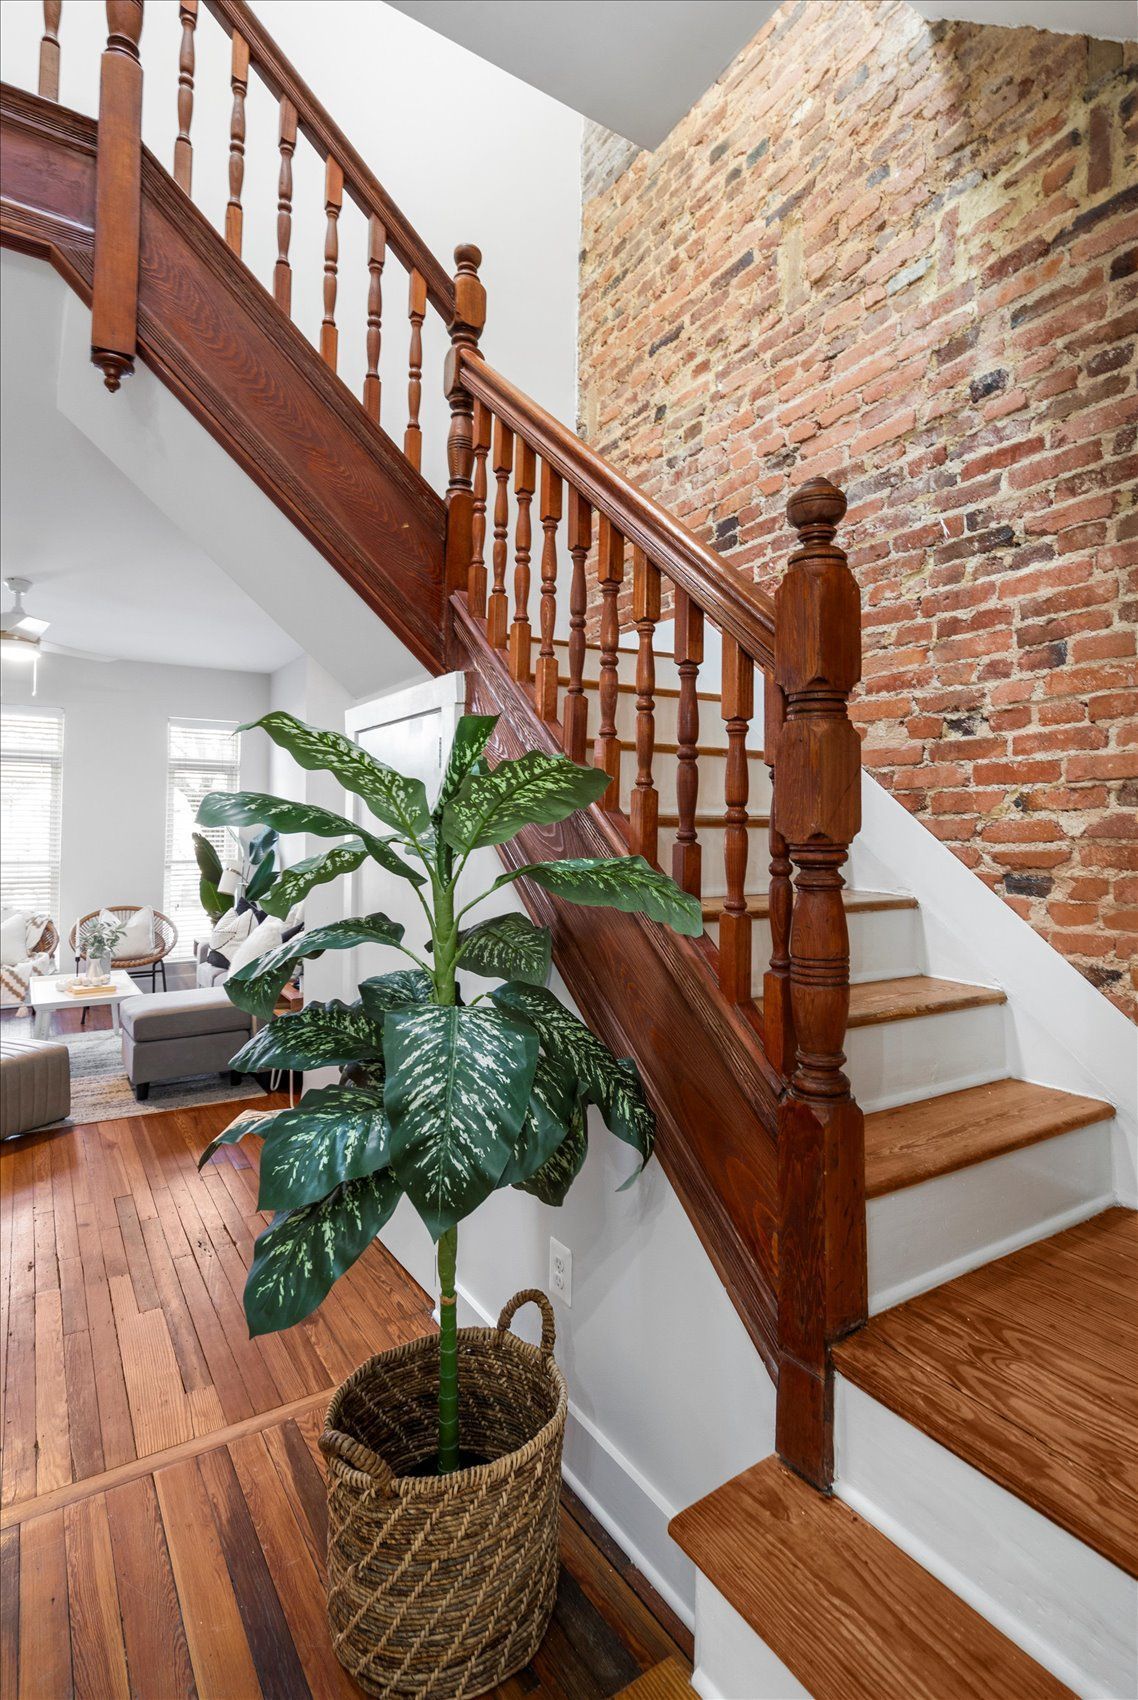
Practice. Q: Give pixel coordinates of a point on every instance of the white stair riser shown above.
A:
(884, 943)
(1067, 1607)
(667, 673)
(731, 1662)
(712, 727)
(897, 1062)
(712, 778)
(925, 1235)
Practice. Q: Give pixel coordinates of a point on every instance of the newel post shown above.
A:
(816, 813)
(465, 330)
(118, 190)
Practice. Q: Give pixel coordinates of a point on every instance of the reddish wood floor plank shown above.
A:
(97, 1651)
(158, 1657)
(45, 1639)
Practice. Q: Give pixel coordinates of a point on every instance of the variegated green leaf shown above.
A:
(318, 1035)
(552, 1181)
(508, 947)
(548, 1120)
(249, 1121)
(617, 882)
(610, 1083)
(394, 799)
(257, 986)
(244, 808)
(296, 882)
(470, 737)
(458, 1082)
(302, 1252)
(535, 789)
(393, 991)
(262, 877)
(335, 1134)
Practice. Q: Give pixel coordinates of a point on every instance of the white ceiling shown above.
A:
(637, 66)
(110, 571)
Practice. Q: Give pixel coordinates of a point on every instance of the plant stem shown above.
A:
(445, 943)
(448, 1354)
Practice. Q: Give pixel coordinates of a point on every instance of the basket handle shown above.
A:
(356, 1456)
(531, 1295)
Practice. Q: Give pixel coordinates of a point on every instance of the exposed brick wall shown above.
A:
(906, 256)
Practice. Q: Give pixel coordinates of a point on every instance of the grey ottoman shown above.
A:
(168, 1035)
(35, 1084)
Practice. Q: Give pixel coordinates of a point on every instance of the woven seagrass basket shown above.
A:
(439, 1587)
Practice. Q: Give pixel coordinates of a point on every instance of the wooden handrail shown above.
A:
(361, 183)
(738, 608)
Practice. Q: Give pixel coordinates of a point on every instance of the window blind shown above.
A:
(31, 789)
(202, 756)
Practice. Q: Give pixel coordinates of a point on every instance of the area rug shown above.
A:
(100, 1091)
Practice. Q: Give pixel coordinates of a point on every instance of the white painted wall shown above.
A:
(113, 843)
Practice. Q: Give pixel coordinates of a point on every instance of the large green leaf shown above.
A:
(335, 1134)
(249, 1121)
(321, 1034)
(508, 947)
(536, 789)
(611, 1083)
(617, 882)
(207, 858)
(296, 882)
(552, 1181)
(394, 991)
(244, 808)
(299, 1256)
(398, 801)
(458, 1082)
(470, 736)
(214, 902)
(258, 984)
(262, 877)
(549, 1119)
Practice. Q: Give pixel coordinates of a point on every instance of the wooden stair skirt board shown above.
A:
(848, 1613)
(1027, 1368)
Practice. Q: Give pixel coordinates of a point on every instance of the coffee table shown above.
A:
(48, 992)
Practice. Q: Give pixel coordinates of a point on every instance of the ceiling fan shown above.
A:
(22, 634)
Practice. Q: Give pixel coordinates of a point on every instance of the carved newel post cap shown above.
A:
(817, 502)
(467, 257)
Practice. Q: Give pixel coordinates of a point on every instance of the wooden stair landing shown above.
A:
(846, 1611)
(1028, 1369)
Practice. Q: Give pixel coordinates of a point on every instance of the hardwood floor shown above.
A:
(162, 1515)
(1028, 1369)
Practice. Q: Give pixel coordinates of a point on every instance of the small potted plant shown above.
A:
(443, 1455)
(98, 944)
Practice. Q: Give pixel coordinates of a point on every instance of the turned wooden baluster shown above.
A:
(416, 312)
(525, 483)
(498, 611)
(333, 201)
(49, 50)
(734, 922)
(376, 254)
(239, 82)
(817, 810)
(644, 812)
(476, 580)
(465, 329)
(545, 673)
(282, 271)
(610, 573)
(575, 729)
(687, 854)
(118, 188)
(183, 147)
(778, 1019)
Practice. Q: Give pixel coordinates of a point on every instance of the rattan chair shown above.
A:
(165, 938)
(15, 977)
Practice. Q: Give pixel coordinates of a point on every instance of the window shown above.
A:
(202, 755)
(31, 785)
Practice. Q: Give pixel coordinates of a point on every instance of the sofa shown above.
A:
(170, 1035)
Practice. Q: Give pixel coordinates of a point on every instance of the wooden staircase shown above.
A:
(822, 1071)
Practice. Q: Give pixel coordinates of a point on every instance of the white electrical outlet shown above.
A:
(560, 1271)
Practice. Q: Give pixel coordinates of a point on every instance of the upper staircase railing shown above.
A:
(801, 649)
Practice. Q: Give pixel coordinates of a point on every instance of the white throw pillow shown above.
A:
(230, 930)
(14, 936)
(261, 940)
(138, 939)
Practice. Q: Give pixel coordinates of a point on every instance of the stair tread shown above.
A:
(666, 1681)
(712, 820)
(915, 1142)
(759, 903)
(673, 749)
(1028, 1370)
(669, 691)
(850, 1614)
(910, 995)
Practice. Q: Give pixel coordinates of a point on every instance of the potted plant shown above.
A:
(444, 1455)
(98, 943)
